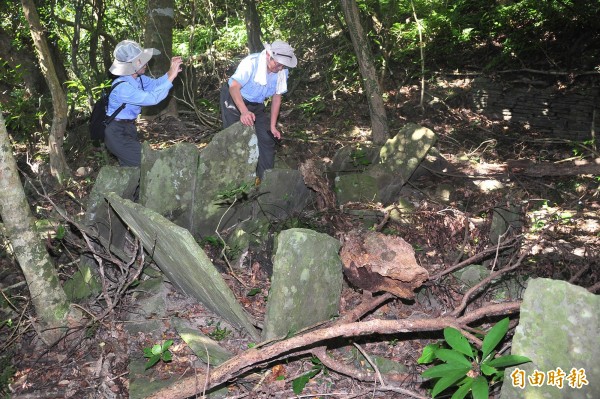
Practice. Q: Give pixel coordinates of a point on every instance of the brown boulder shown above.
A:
(376, 262)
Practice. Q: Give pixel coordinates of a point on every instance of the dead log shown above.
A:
(573, 168)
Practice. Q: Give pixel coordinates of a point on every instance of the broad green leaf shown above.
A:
(148, 352)
(457, 341)
(313, 372)
(448, 380)
(463, 390)
(487, 369)
(299, 383)
(490, 356)
(428, 354)
(451, 356)
(167, 344)
(156, 349)
(442, 370)
(316, 361)
(253, 291)
(167, 356)
(494, 336)
(480, 388)
(151, 362)
(508, 360)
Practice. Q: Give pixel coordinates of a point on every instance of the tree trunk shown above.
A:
(58, 163)
(48, 298)
(159, 34)
(252, 26)
(23, 60)
(98, 17)
(379, 124)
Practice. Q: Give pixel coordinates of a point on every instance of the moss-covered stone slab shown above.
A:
(183, 261)
(207, 349)
(99, 217)
(168, 181)
(283, 194)
(226, 163)
(559, 330)
(82, 284)
(306, 284)
(102, 222)
(357, 187)
(399, 158)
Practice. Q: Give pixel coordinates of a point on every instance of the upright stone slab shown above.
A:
(99, 217)
(283, 194)
(357, 187)
(353, 159)
(398, 159)
(227, 162)
(101, 221)
(385, 173)
(504, 219)
(183, 261)
(306, 284)
(559, 330)
(168, 180)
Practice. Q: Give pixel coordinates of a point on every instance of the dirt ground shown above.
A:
(559, 236)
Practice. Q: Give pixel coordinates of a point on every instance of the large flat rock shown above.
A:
(183, 261)
(559, 330)
(306, 284)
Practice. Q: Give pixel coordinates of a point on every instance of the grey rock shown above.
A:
(399, 158)
(168, 181)
(306, 284)
(282, 194)
(183, 261)
(207, 349)
(357, 187)
(227, 162)
(99, 217)
(559, 328)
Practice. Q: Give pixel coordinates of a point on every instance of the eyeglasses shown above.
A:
(278, 65)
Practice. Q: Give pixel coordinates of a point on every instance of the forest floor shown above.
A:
(559, 238)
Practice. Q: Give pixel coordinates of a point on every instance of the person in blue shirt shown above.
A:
(138, 90)
(259, 76)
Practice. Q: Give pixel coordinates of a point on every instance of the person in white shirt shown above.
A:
(259, 76)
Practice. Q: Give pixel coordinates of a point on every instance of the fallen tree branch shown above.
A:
(574, 168)
(364, 308)
(253, 358)
(477, 257)
(340, 367)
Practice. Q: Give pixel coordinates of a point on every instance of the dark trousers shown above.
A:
(121, 140)
(266, 141)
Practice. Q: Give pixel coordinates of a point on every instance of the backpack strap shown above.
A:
(114, 114)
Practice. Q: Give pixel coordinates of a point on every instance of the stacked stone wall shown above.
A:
(568, 113)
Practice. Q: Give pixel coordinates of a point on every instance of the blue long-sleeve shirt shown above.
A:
(131, 93)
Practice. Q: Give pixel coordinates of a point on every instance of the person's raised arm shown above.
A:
(174, 69)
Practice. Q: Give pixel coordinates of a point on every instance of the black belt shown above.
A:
(125, 120)
(251, 103)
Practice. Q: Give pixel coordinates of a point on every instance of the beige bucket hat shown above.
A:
(130, 57)
(282, 53)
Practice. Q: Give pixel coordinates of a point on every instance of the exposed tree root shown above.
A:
(256, 358)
